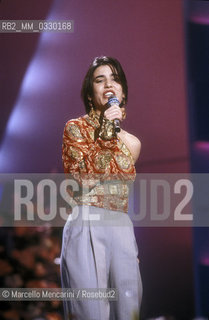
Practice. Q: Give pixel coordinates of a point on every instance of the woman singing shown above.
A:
(99, 250)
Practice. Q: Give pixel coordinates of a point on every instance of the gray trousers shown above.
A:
(99, 250)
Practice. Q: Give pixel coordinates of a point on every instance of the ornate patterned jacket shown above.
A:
(101, 164)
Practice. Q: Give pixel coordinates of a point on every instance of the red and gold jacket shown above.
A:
(102, 165)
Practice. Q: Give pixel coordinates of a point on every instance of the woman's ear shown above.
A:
(123, 102)
(123, 113)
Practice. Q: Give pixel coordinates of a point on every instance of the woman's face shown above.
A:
(105, 83)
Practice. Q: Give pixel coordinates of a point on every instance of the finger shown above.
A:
(114, 107)
(112, 116)
(113, 113)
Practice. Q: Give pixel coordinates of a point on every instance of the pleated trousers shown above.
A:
(99, 251)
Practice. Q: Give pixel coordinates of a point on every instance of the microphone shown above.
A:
(111, 101)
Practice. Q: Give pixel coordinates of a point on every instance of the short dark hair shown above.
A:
(87, 87)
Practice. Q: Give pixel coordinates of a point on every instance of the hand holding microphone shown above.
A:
(113, 101)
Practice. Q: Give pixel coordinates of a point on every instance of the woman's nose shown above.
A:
(108, 83)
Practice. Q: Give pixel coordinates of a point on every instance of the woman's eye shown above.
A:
(116, 79)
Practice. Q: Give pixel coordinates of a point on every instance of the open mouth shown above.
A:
(109, 93)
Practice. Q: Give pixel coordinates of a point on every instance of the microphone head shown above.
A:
(112, 99)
